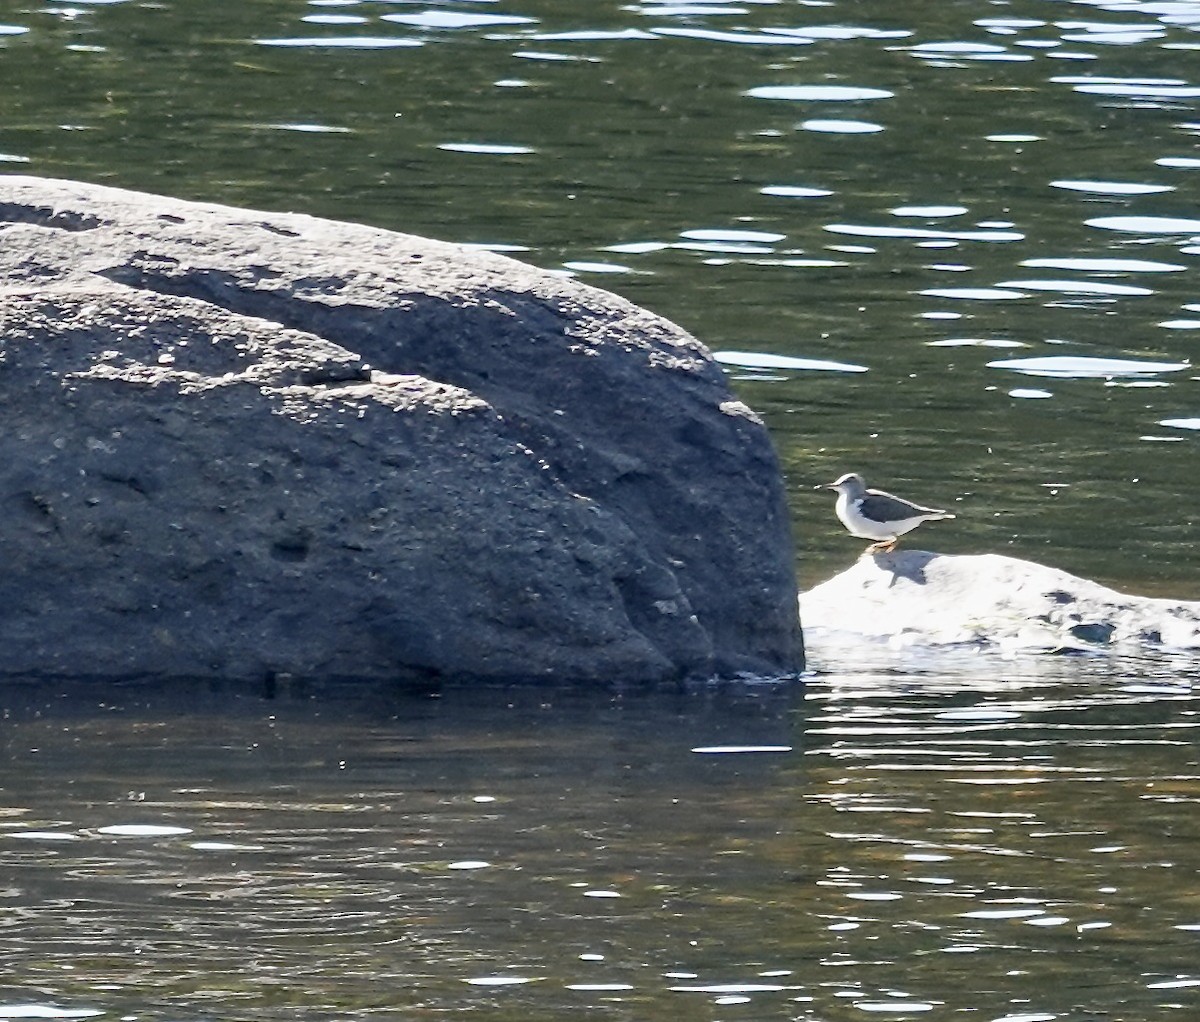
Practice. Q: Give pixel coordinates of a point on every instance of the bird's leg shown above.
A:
(885, 546)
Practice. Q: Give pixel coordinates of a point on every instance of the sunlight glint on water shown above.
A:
(891, 838)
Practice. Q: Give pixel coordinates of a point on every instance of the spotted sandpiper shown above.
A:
(873, 514)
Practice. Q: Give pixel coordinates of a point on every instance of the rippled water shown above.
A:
(913, 188)
(1012, 843)
(950, 245)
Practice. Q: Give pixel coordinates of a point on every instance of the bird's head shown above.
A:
(851, 483)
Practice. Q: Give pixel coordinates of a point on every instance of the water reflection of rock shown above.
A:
(913, 598)
(240, 443)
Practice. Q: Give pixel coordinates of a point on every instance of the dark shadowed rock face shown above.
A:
(238, 443)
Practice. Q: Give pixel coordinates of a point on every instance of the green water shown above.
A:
(935, 838)
(938, 846)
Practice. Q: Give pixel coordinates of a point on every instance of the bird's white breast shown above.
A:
(850, 512)
(857, 524)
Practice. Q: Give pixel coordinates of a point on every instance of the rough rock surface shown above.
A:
(236, 443)
(912, 597)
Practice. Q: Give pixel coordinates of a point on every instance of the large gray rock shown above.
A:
(916, 598)
(236, 443)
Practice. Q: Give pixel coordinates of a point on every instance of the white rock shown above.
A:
(913, 598)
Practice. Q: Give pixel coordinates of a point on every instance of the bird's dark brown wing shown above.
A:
(883, 507)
